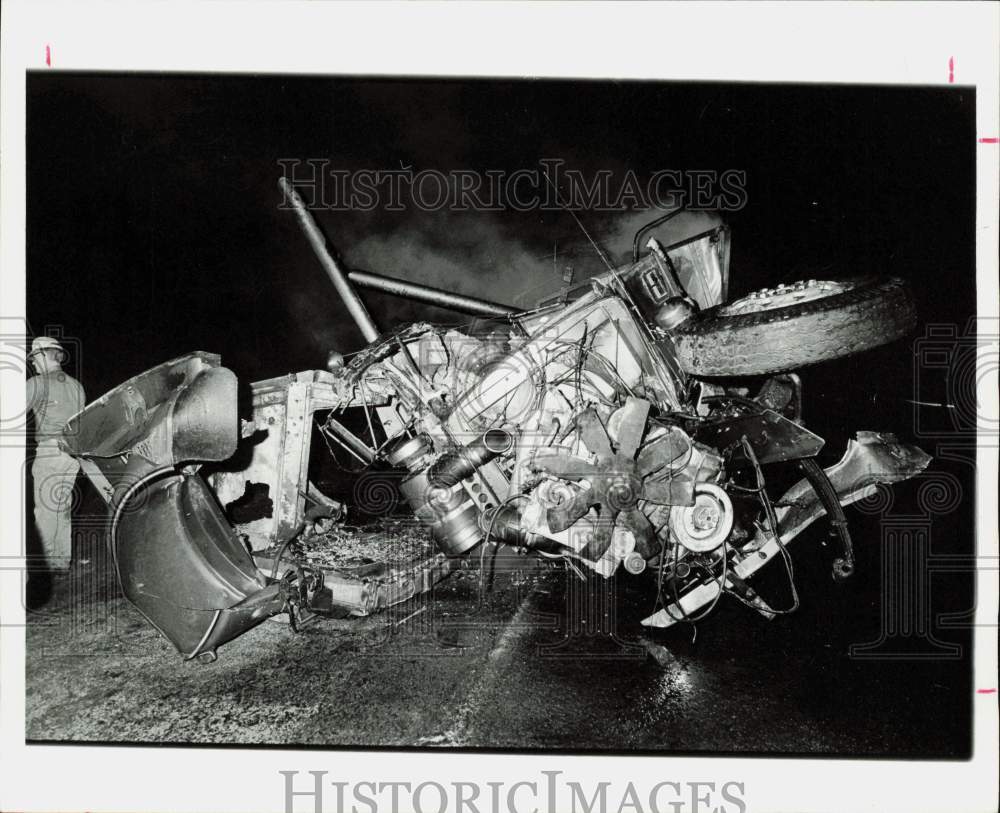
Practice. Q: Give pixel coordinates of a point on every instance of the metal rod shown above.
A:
(409, 363)
(431, 295)
(653, 224)
(336, 274)
(351, 442)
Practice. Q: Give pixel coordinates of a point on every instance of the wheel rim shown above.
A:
(783, 296)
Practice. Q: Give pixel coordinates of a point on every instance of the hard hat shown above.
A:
(42, 343)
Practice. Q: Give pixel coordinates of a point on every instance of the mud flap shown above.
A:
(176, 557)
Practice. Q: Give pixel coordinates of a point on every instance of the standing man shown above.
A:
(53, 397)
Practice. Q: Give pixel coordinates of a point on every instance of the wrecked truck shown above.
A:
(606, 431)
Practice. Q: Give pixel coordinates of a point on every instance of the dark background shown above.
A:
(153, 230)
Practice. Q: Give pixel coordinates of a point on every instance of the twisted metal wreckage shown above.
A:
(597, 429)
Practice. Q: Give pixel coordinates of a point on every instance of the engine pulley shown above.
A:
(704, 526)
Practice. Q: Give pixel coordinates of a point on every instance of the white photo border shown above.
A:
(867, 43)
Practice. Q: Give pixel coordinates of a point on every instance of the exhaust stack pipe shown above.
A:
(357, 309)
(431, 295)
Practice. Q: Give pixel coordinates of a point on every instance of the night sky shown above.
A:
(154, 228)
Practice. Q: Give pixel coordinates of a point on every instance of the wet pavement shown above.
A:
(543, 661)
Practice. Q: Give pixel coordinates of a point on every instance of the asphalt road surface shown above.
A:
(543, 661)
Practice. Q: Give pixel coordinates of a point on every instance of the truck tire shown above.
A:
(785, 328)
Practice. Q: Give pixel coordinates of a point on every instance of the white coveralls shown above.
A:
(54, 398)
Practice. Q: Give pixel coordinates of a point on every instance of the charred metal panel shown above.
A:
(774, 438)
(280, 439)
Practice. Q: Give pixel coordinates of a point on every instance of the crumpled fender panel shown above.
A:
(183, 567)
(176, 557)
(182, 410)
